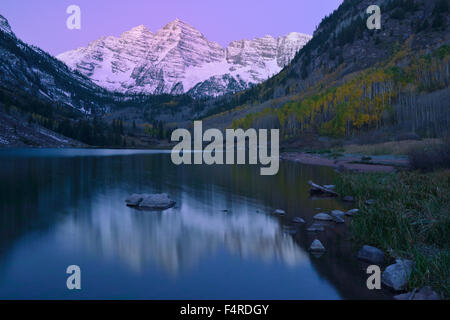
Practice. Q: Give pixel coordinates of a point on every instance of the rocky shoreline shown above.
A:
(395, 276)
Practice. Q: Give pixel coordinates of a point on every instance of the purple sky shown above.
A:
(43, 23)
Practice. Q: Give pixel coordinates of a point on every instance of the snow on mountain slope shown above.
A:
(179, 59)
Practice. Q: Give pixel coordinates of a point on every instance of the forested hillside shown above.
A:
(349, 79)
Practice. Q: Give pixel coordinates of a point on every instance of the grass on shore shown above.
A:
(410, 219)
(404, 147)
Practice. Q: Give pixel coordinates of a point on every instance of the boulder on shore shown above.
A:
(150, 201)
(371, 254)
(396, 275)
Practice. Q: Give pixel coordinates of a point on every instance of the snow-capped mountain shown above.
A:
(179, 59)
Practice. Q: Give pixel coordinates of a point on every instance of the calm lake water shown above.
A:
(65, 207)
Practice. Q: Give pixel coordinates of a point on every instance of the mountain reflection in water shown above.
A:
(220, 241)
(179, 237)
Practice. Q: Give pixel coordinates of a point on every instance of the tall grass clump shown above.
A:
(410, 219)
(431, 157)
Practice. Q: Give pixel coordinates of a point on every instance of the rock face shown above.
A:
(179, 59)
(371, 254)
(317, 246)
(396, 275)
(150, 201)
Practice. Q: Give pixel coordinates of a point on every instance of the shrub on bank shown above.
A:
(431, 157)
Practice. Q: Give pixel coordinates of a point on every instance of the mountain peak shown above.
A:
(141, 28)
(178, 57)
(178, 24)
(4, 25)
(138, 31)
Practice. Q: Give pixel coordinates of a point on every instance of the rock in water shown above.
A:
(298, 220)
(317, 246)
(337, 213)
(351, 212)
(396, 275)
(348, 199)
(135, 199)
(338, 219)
(323, 217)
(371, 254)
(156, 202)
(316, 227)
(279, 212)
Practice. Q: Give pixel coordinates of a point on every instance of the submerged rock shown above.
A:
(317, 246)
(371, 254)
(323, 217)
(316, 227)
(156, 202)
(396, 275)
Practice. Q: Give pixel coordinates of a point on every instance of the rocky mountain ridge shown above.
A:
(179, 59)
